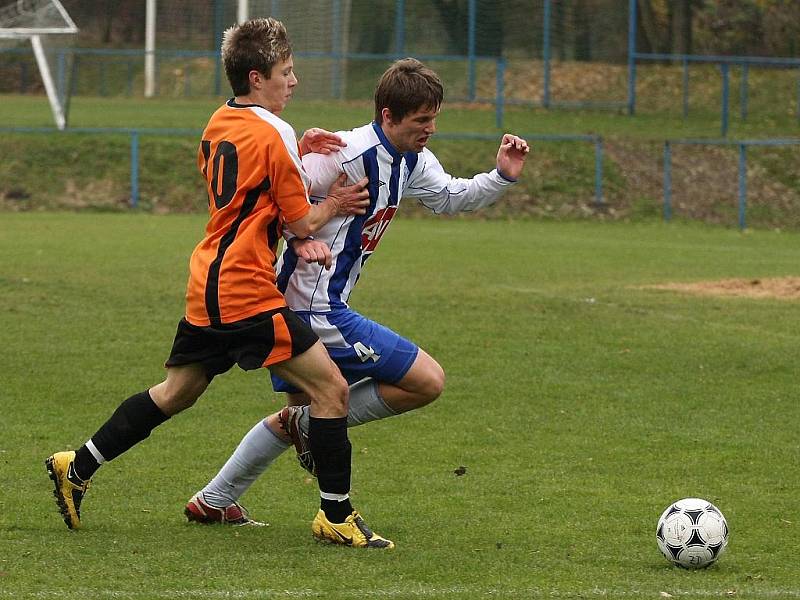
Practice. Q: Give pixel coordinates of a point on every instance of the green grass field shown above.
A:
(580, 403)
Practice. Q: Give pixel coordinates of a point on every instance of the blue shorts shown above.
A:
(359, 347)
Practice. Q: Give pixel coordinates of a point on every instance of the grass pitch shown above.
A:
(579, 403)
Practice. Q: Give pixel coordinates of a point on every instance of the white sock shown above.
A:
(252, 456)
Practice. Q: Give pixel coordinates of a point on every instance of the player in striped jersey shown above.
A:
(387, 373)
(235, 313)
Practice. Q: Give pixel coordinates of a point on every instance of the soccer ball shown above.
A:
(692, 533)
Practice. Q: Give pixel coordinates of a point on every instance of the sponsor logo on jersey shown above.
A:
(375, 227)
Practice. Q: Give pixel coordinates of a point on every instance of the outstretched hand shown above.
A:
(511, 156)
(320, 141)
(349, 199)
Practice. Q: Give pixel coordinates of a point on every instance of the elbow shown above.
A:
(301, 228)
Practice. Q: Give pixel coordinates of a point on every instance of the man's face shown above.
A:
(277, 90)
(413, 131)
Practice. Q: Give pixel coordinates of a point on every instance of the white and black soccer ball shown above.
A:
(692, 533)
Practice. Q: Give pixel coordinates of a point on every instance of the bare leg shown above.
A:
(316, 374)
(180, 390)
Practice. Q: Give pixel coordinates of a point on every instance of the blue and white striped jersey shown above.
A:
(392, 176)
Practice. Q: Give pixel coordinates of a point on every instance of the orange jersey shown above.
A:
(250, 161)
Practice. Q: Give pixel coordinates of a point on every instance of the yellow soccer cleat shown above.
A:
(353, 532)
(69, 488)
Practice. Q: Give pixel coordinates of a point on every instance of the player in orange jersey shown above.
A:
(235, 314)
(388, 373)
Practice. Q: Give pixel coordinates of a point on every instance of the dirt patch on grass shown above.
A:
(781, 288)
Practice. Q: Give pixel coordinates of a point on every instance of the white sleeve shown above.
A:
(323, 169)
(442, 193)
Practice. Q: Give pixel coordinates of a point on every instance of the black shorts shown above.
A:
(260, 341)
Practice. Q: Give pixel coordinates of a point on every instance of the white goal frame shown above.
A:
(10, 14)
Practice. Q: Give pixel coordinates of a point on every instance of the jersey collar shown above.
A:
(233, 104)
(386, 143)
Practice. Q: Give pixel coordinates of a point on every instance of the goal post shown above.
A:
(49, 29)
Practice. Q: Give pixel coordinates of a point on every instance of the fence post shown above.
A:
(725, 97)
(500, 93)
(743, 91)
(685, 88)
(400, 27)
(336, 47)
(219, 14)
(742, 184)
(631, 57)
(546, 54)
(667, 181)
(472, 19)
(150, 58)
(598, 171)
(134, 202)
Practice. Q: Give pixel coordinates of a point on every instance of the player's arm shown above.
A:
(442, 193)
(342, 200)
(329, 195)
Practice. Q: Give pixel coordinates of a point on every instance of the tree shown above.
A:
(652, 35)
(681, 26)
(454, 16)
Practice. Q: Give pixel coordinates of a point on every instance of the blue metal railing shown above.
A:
(135, 135)
(723, 61)
(744, 63)
(741, 145)
(338, 59)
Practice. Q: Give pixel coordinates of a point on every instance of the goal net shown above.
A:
(45, 29)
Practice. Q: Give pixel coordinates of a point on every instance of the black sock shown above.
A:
(131, 423)
(85, 463)
(336, 510)
(327, 439)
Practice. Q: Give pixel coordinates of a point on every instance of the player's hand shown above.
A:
(349, 199)
(320, 141)
(313, 251)
(511, 156)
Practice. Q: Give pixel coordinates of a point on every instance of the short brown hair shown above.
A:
(256, 45)
(407, 86)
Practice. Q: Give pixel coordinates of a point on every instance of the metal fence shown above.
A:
(566, 53)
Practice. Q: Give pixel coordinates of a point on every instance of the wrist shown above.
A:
(296, 241)
(504, 176)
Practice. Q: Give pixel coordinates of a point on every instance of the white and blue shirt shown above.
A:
(352, 239)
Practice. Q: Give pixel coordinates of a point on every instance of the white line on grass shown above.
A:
(428, 592)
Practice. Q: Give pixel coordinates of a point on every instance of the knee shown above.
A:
(172, 404)
(340, 394)
(331, 398)
(172, 399)
(433, 385)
